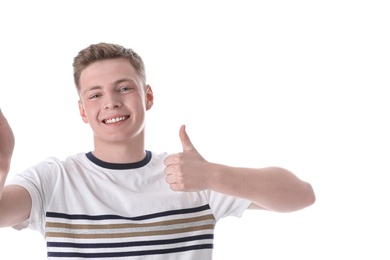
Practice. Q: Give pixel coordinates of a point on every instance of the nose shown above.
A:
(112, 102)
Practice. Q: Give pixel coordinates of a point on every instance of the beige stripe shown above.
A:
(129, 225)
(131, 234)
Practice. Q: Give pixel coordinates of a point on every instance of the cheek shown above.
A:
(83, 115)
(85, 112)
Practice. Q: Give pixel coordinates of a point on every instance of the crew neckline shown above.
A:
(120, 166)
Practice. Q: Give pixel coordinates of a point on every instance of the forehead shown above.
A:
(107, 72)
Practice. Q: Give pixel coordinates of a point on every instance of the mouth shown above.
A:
(114, 120)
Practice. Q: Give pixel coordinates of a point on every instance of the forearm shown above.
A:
(272, 188)
(4, 169)
(15, 205)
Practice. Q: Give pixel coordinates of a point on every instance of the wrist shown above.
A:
(5, 166)
(3, 178)
(215, 176)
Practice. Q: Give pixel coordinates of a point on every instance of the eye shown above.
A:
(94, 96)
(125, 89)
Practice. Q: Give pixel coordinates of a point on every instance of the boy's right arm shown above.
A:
(15, 201)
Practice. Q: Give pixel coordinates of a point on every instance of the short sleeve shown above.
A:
(34, 181)
(223, 205)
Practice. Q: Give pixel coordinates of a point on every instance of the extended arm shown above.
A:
(271, 188)
(15, 202)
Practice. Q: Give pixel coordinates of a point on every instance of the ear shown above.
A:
(82, 112)
(149, 97)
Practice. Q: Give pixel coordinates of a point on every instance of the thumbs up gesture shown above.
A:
(187, 171)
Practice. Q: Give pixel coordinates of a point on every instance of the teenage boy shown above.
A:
(121, 200)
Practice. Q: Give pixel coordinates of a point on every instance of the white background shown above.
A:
(298, 84)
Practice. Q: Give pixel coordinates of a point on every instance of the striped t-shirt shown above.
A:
(87, 208)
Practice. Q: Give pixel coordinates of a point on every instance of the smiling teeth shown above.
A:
(115, 120)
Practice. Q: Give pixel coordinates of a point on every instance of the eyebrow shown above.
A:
(119, 81)
(116, 83)
(91, 88)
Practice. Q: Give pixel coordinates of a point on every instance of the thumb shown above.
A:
(185, 140)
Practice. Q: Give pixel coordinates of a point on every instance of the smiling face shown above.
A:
(113, 101)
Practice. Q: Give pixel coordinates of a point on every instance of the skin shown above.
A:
(111, 91)
(15, 202)
(271, 188)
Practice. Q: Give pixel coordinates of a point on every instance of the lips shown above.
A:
(114, 120)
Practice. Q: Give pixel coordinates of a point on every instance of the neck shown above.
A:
(120, 152)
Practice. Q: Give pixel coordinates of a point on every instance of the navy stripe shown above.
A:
(144, 217)
(136, 253)
(130, 244)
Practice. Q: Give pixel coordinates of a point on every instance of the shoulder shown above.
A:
(56, 164)
(78, 158)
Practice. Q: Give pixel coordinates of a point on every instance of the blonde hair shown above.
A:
(103, 51)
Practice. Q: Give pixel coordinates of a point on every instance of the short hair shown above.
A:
(104, 51)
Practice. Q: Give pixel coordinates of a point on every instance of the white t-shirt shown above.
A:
(87, 208)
